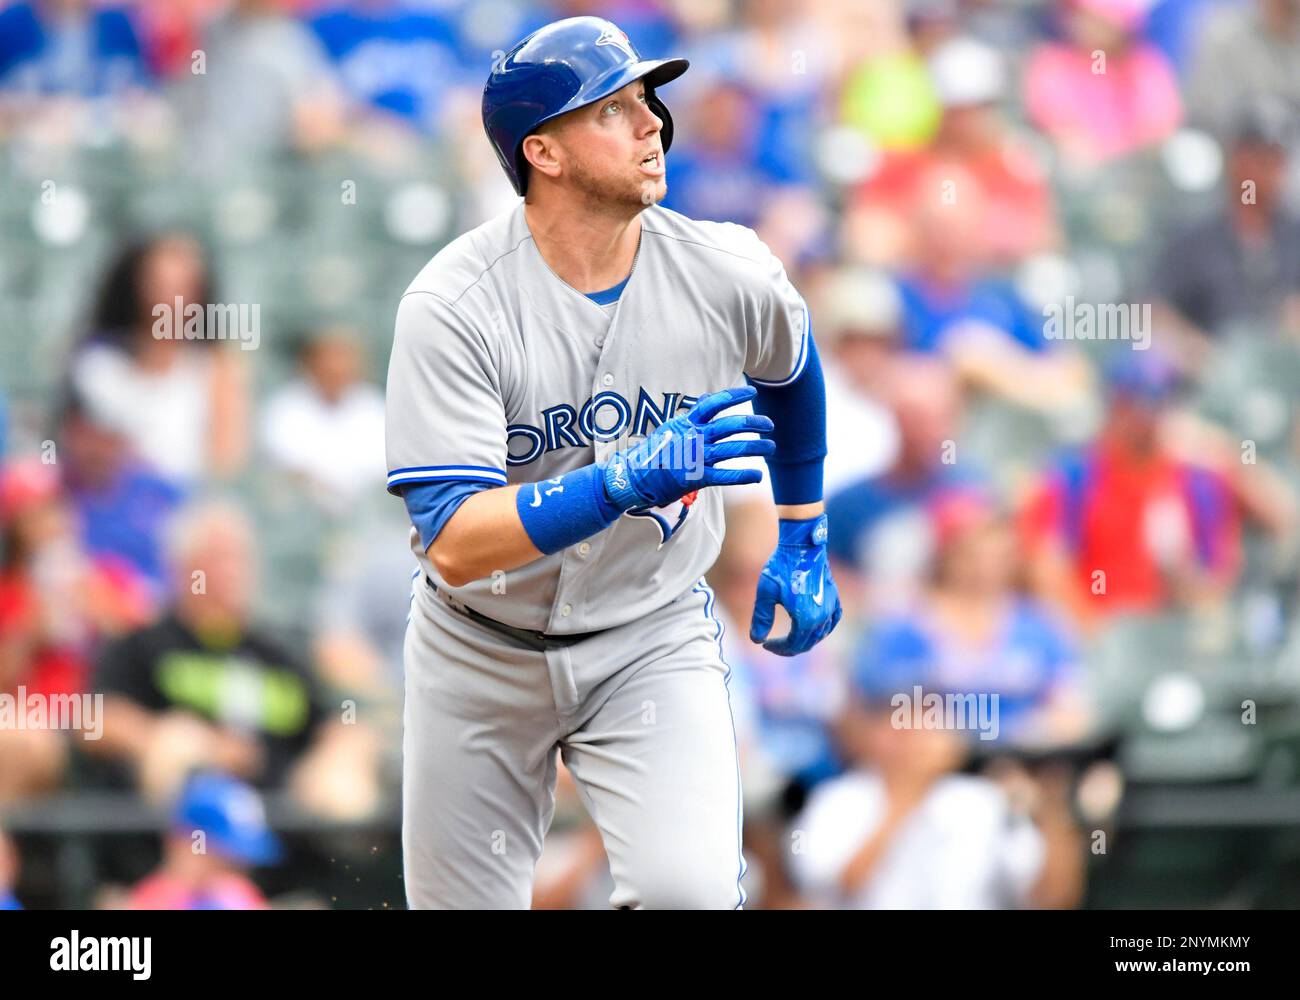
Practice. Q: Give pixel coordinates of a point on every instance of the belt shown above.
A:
(539, 641)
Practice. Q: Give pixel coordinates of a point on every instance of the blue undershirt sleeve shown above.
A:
(798, 413)
(430, 505)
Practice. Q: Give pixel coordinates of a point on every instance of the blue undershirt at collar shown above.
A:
(609, 294)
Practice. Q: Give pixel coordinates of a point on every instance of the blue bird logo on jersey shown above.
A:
(668, 518)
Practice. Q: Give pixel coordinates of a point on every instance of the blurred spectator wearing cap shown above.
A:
(880, 536)
(956, 305)
(902, 830)
(69, 47)
(1149, 515)
(182, 405)
(325, 428)
(1102, 92)
(973, 630)
(268, 88)
(218, 831)
(972, 147)
(56, 603)
(1246, 51)
(1238, 267)
(121, 504)
(205, 687)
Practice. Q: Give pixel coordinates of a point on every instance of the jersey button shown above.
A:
(607, 378)
(566, 610)
(600, 341)
(584, 548)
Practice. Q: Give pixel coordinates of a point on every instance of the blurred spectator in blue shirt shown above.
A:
(122, 505)
(397, 57)
(69, 47)
(956, 305)
(780, 54)
(880, 534)
(973, 631)
(720, 171)
(727, 166)
(949, 281)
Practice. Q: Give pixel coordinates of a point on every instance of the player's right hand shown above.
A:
(679, 457)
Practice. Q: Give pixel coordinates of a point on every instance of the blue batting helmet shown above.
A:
(564, 66)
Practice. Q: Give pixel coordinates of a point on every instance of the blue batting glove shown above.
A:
(680, 455)
(799, 578)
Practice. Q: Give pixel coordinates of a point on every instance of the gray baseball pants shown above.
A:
(639, 713)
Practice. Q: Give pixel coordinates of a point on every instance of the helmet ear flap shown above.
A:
(521, 170)
(661, 112)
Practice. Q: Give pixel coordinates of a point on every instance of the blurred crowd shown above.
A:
(1052, 252)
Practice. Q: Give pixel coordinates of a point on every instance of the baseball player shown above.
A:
(556, 427)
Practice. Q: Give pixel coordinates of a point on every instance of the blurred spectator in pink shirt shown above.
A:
(218, 831)
(1102, 93)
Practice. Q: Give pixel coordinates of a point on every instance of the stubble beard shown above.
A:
(606, 193)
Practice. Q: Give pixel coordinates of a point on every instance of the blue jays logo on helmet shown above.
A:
(614, 35)
(564, 66)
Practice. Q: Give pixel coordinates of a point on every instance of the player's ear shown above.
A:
(543, 154)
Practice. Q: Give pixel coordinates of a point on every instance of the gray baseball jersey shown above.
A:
(502, 372)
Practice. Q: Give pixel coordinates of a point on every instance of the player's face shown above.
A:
(612, 150)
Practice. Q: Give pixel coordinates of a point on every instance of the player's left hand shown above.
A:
(798, 577)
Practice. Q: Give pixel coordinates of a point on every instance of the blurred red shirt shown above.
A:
(1137, 520)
